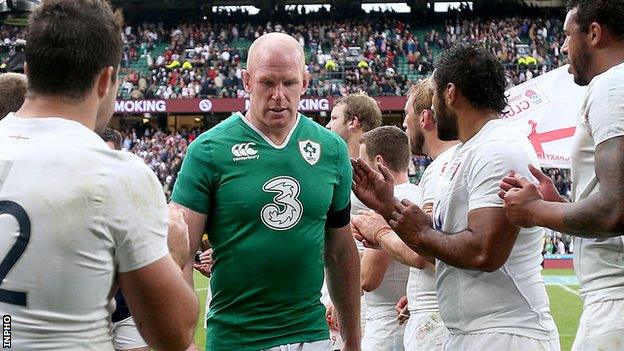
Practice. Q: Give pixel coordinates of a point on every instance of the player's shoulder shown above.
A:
(224, 129)
(496, 136)
(310, 128)
(501, 147)
(610, 80)
(220, 134)
(126, 165)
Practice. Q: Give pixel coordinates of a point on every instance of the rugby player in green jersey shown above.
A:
(272, 189)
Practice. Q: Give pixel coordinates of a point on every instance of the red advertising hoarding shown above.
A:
(228, 105)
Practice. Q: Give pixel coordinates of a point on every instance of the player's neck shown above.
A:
(608, 59)
(42, 106)
(400, 178)
(276, 135)
(353, 142)
(354, 148)
(471, 121)
(436, 147)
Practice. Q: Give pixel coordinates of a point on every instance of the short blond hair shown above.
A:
(362, 106)
(420, 96)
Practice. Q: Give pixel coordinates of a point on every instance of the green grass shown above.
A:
(201, 284)
(565, 307)
(558, 272)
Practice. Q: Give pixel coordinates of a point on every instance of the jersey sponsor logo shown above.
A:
(285, 211)
(245, 151)
(310, 150)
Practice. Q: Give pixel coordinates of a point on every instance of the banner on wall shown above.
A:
(546, 109)
(229, 105)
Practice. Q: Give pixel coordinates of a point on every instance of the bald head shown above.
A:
(12, 92)
(275, 49)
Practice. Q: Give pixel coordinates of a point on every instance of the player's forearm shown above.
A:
(373, 266)
(177, 328)
(597, 216)
(399, 251)
(343, 282)
(462, 250)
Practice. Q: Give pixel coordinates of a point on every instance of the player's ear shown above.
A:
(450, 94)
(427, 122)
(103, 82)
(306, 82)
(595, 34)
(247, 81)
(380, 159)
(354, 123)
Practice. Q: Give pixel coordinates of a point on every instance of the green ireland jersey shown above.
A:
(267, 208)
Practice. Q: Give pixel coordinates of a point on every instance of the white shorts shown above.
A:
(383, 334)
(601, 327)
(321, 345)
(424, 331)
(498, 342)
(126, 335)
(336, 339)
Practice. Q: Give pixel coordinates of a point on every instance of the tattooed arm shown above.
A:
(599, 215)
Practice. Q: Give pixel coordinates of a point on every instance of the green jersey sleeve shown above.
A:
(194, 186)
(342, 192)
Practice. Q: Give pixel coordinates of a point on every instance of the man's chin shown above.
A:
(580, 81)
(278, 119)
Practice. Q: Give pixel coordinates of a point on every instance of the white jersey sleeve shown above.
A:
(605, 107)
(488, 165)
(139, 227)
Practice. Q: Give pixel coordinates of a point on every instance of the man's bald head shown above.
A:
(275, 49)
(13, 88)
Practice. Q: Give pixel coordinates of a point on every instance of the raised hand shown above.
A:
(374, 188)
(546, 187)
(520, 202)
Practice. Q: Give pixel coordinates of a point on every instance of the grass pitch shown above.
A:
(565, 305)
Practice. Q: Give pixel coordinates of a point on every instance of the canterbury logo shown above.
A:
(244, 151)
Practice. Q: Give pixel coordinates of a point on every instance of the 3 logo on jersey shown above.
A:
(244, 151)
(286, 210)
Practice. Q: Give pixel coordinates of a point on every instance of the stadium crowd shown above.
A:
(205, 59)
(380, 53)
